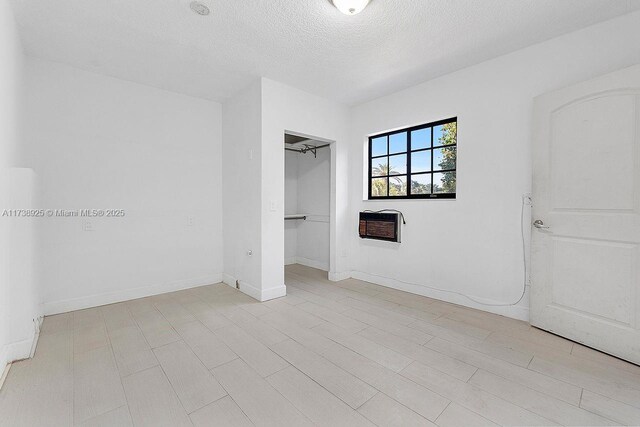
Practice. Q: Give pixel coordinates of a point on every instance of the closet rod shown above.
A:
(289, 217)
(307, 148)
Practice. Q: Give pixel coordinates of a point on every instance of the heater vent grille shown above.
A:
(380, 226)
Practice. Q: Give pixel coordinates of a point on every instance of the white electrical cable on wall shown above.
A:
(524, 265)
(524, 269)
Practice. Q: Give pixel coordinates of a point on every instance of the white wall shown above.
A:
(91, 141)
(11, 58)
(241, 178)
(472, 244)
(314, 191)
(19, 298)
(102, 143)
(290, 206)
(308, 192)
(288, 109)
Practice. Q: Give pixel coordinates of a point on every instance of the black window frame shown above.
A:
(408, 152)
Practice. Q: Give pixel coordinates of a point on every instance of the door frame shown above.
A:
(332, 195)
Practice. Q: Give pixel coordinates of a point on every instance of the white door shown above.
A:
(586, 190)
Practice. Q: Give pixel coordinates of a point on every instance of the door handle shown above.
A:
(539, 224)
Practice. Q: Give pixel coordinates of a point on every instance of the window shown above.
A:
(414, 163)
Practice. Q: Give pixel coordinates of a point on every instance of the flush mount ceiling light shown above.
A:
(199, 8)
(350, 7)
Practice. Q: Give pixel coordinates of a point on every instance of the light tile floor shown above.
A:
(335, 354)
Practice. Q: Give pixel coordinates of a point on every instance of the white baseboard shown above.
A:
(5, 364)
(13, 352)
(4, 374)
(516, 312)
(229, 280)
(289, 261)
(249, 289)
(275, 292)
(320, 265)
(39, 320)
(64, 306)
(20, 350)
(338, 276)
(254, 292)
(17, 350)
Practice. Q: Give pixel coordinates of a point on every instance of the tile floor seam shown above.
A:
(439, 415)
(455, 348)
(115, 361)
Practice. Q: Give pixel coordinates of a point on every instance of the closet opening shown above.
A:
(307, 207)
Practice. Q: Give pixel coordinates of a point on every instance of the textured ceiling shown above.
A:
(308, 44)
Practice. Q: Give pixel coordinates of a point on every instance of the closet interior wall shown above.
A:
(307, 192)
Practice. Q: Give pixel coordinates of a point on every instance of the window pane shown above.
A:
(398, 143)
(421, 161)
(444, 158)
(398, 164)
(398, 186)
(379, 187)
(421, 139)
(379, 146)
(444, 182)
(379, 166)
(445, 134)
(421, 184)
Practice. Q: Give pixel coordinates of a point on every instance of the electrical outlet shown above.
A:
(190, 221)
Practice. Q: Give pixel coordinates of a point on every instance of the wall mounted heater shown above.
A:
(380, 226)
